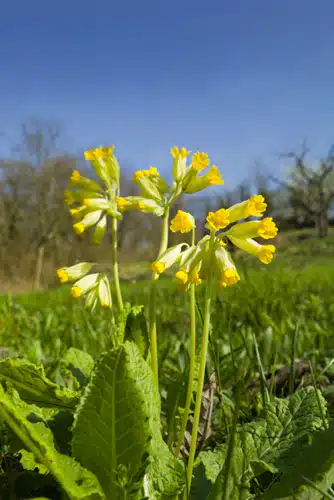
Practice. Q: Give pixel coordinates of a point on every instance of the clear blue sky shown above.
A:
(240, 79)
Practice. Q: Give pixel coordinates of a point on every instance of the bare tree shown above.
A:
(311, 190)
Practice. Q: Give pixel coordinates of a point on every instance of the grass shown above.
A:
(276, 317)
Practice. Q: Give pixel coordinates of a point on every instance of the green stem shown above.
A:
(192, 362)
(152, 298)
(200, 384)
(115, 265)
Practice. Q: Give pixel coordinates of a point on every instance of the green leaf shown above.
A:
(33, 386)
(136, 329)
(78, 364)
(304, 463)
(118, 424)
(58, 420)
(28, 461)
(258, 444)
(78, 483)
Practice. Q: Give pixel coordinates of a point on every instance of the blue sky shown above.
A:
(240, 79)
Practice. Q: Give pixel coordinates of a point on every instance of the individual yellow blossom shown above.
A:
(218, 220)
(62, 275)
(75, 175)
(76, 291)
(229, 277)
(99, 153)
(265, 253)
(176, 152)
(214, 176)
(121, 203)
(79, 228)
(255, 206)
(200, 161)
(264, 228)
(157, 267)
(75, 211)
(153, 171)
(139, 174)
(182, 276)
(183, 222)
(267, 228)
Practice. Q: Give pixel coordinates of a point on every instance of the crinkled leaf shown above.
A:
(58, 420)
(258, 444)
(315, 462)
(136, 329)
(77, 482)
(122, 401)
(79, 364)
(33, 386)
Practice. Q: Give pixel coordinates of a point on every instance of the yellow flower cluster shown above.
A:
(197, 261)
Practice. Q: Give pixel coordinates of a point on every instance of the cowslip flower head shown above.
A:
(183, 222)
(105, 164)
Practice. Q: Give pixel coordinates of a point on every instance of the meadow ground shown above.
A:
(276, 314)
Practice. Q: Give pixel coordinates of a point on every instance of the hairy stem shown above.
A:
(192, 354)
(115, 265)
(152, 298)
(200, 384)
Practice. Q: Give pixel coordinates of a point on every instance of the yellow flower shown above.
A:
(200, 161)
(182, 276)
(265, 253)
(264, 228)
(75, 175)
(267, 228)
(79, 228)
(214, 176)
(76, 291)
(75, 211)
(139, 174)
(121, 203)
(157, 267)
(99, 153)
(176, 152)
(218, 220)
(255, 206)
(153, 171)
(62, 275)
(183, 222)
(229, 277)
